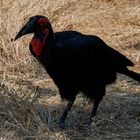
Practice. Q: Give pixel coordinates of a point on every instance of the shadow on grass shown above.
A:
(35, 112)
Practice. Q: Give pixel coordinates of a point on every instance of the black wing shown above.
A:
(91, 50)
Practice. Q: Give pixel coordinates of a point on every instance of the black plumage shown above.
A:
(76, 62)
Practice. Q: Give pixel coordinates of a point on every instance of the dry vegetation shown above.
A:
(29, 101)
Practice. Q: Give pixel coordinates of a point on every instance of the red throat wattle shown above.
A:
(38, 44)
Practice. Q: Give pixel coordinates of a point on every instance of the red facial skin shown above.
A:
(42, 22)
(37, 42)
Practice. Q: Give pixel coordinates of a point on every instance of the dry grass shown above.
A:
(29, 101)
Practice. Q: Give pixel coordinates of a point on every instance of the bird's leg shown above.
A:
(94, 110)
(65, 113)
(101, 92)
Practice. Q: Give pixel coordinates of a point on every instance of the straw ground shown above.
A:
(29, 101)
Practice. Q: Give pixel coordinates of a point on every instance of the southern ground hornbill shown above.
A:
(76, 62)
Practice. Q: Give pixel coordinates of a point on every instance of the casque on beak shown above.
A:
(26, 29)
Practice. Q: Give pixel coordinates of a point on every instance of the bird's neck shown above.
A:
(40, 40)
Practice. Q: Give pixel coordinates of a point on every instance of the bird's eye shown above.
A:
(42, 22)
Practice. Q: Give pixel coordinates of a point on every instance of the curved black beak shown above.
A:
(26, 29)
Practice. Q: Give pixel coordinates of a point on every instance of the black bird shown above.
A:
(76, 62)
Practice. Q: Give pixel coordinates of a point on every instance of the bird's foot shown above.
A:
(92, 121)
(61, 124)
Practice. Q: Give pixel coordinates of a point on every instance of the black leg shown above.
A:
(101, 92)
(65, 113)
(94, 110)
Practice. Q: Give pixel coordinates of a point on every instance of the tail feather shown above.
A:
(132, 74)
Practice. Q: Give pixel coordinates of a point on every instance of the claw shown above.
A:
(92, 121)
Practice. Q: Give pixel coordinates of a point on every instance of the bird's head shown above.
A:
(34, 24)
